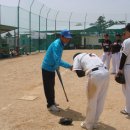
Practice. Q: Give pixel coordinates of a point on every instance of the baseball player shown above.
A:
(98, 78)
(125, 68)
(106, 45)
(115, 49)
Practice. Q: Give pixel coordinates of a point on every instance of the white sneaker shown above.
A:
(83, 125)
(53, 108)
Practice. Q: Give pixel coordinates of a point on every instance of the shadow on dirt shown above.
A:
(69, 113)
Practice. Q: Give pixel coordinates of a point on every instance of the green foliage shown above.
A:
(102, 24)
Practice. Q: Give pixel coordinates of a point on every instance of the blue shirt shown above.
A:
(52, 59)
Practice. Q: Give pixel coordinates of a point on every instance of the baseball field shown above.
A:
(23, 104)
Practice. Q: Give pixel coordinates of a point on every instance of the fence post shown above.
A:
(125, 18)
(0, 14)
(46, 27)
(55, 22)
(18, 28)
(0, 22)
(84, 31)
(69, 19)
(40, 26)
(30, 42)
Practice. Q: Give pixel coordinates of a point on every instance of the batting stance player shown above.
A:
(125, 68)
(115, 49)
(106, 45)
(98, 80)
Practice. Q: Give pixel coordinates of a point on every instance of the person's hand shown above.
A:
(71, 68)
(119, 72)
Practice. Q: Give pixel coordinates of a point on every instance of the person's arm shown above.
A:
(65, 64)
(80, 73)
(57, 52)
(77, 67)
(122, 62)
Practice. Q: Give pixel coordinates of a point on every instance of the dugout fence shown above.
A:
(37, 25)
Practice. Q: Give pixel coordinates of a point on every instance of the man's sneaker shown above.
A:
(53, 108)
(124, 112)
(83, 125)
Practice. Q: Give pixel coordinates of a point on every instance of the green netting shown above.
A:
(38, 25)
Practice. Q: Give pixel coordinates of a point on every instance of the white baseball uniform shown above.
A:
(126, 87)
(116, 46)
(98, 80)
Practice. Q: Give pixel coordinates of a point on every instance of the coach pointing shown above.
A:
(51, 62)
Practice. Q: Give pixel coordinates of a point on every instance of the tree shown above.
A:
(101, 24)
(110, 23)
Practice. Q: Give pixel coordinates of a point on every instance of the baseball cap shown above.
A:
(66, 33)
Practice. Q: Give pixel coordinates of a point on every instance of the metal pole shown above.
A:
(40, 24)
(0, 21)
(0, 14)
(18, 28)
(69, 20)
(59, 76)
(46, 26)
(125, 18)
(55, 22)
(30, 26)
(84, 30)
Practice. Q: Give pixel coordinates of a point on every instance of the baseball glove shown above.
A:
(65, 121)
(120, 78)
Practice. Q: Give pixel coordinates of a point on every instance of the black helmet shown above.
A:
(65, 121)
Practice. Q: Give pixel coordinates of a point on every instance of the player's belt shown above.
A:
(97, 68)
(94, 69)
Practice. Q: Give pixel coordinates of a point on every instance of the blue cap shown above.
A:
(66, 34)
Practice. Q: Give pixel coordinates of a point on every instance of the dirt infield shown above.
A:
(21, 77)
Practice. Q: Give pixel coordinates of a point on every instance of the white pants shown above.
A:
(96, 92)
(115, 62)
(126, 87)
(106, 57)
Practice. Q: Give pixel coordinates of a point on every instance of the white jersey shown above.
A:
(126, 50)
(98, 80)
(86, 61)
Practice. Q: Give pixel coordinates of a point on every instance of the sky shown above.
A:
(90, 6)
(119, 9)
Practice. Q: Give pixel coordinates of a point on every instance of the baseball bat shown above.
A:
(59, 76)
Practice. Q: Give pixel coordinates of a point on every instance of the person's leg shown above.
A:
(113, 64)
(48, 83)
(92, 104)
(127, 88)
(108, 58)
(104, 57)
(103, 86)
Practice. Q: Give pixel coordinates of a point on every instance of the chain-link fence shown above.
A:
(36, 26)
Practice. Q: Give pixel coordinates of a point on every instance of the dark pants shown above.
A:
(49, 83)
